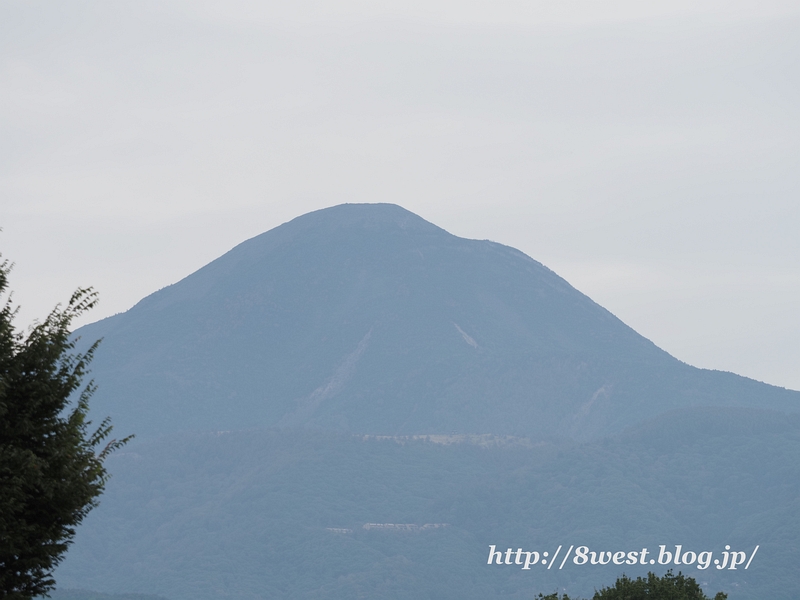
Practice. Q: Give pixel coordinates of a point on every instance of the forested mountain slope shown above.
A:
(298, 514)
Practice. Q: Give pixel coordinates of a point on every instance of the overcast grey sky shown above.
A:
(647, 152)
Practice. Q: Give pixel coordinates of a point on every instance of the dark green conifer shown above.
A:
(51, 462)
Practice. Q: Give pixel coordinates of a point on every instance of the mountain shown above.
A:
(369, 319)
(358, 404)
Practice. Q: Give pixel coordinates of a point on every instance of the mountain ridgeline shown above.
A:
(358, 404)
(369, 319)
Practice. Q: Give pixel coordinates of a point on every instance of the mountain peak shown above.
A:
(365, 215)
(367, 318)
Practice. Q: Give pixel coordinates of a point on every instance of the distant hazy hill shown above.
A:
(357, 404)
(366, 318)
(322, 515)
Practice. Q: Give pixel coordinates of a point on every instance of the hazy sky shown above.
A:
(648, 152)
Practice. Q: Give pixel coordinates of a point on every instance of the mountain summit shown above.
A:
(367, 318)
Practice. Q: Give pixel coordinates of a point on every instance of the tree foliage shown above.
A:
(51, 462)
(653, 587)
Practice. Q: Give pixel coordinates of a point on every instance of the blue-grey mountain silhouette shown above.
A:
(367, 318)
(358, 404)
